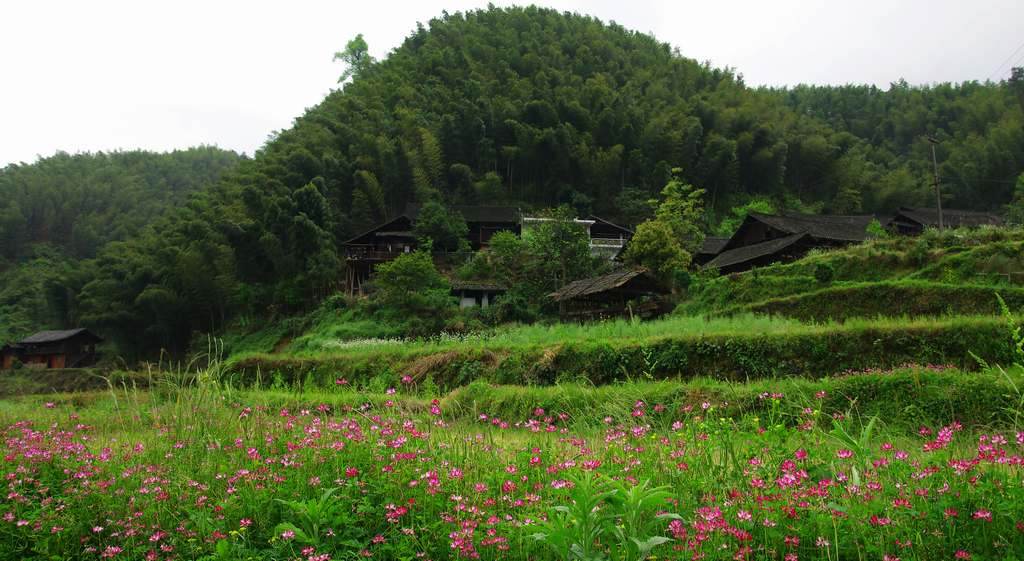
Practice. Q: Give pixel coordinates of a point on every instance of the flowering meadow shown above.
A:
(212, 473)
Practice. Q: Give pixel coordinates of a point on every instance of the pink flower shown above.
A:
(982, 514)
(341, 382)
(245, 522)
(844, 454)
(287, 535)
(351, 472)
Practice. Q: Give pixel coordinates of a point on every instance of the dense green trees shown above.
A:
(666, 243)
(64, 208)
(78, 203)
(979, 126)
(441, 227)
(537, 108)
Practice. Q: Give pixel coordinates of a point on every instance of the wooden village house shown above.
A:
(387, 241)
(912, 221)
(627, 293)
(763, 239)
(73, 348)
(710, 248)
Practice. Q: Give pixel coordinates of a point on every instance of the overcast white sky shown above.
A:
(101, 75)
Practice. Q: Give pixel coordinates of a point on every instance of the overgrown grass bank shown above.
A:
(784, 349)
(843, 301)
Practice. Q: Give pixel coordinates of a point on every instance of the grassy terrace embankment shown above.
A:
(738, 348)
(843, 301)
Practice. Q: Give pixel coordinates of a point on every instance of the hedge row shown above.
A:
(810, 352)
(888, 298)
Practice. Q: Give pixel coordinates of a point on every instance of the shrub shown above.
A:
(411, 290)
(446, 229)
(824, 273)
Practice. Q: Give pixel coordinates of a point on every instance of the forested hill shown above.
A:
(537, 108)
(78, 203)
(63, 208)
(978, 126)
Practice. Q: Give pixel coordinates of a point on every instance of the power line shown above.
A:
(1008, 59)
(1019, 61)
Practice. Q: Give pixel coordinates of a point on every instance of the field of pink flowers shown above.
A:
(212, 474)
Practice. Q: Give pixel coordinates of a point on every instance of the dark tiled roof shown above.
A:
(479, 286)
(610, 223)
(469, 213)
(55, 336)
(750, 252)
(713, 245)
(822, 226)
(950, 217)
(376, 228)
(595, 285)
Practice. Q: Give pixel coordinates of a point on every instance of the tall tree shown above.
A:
(356, 57)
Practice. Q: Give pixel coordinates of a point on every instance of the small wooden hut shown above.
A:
(71, 348)
(628, 293)
(476, 294)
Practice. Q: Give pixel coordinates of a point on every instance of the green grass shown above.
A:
(744, 348)
(330, 343)
(211, 471)
(912, 298)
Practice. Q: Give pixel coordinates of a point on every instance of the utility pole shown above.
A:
(935, 166)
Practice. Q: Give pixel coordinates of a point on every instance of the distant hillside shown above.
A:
(64, 208)
(537, 108)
